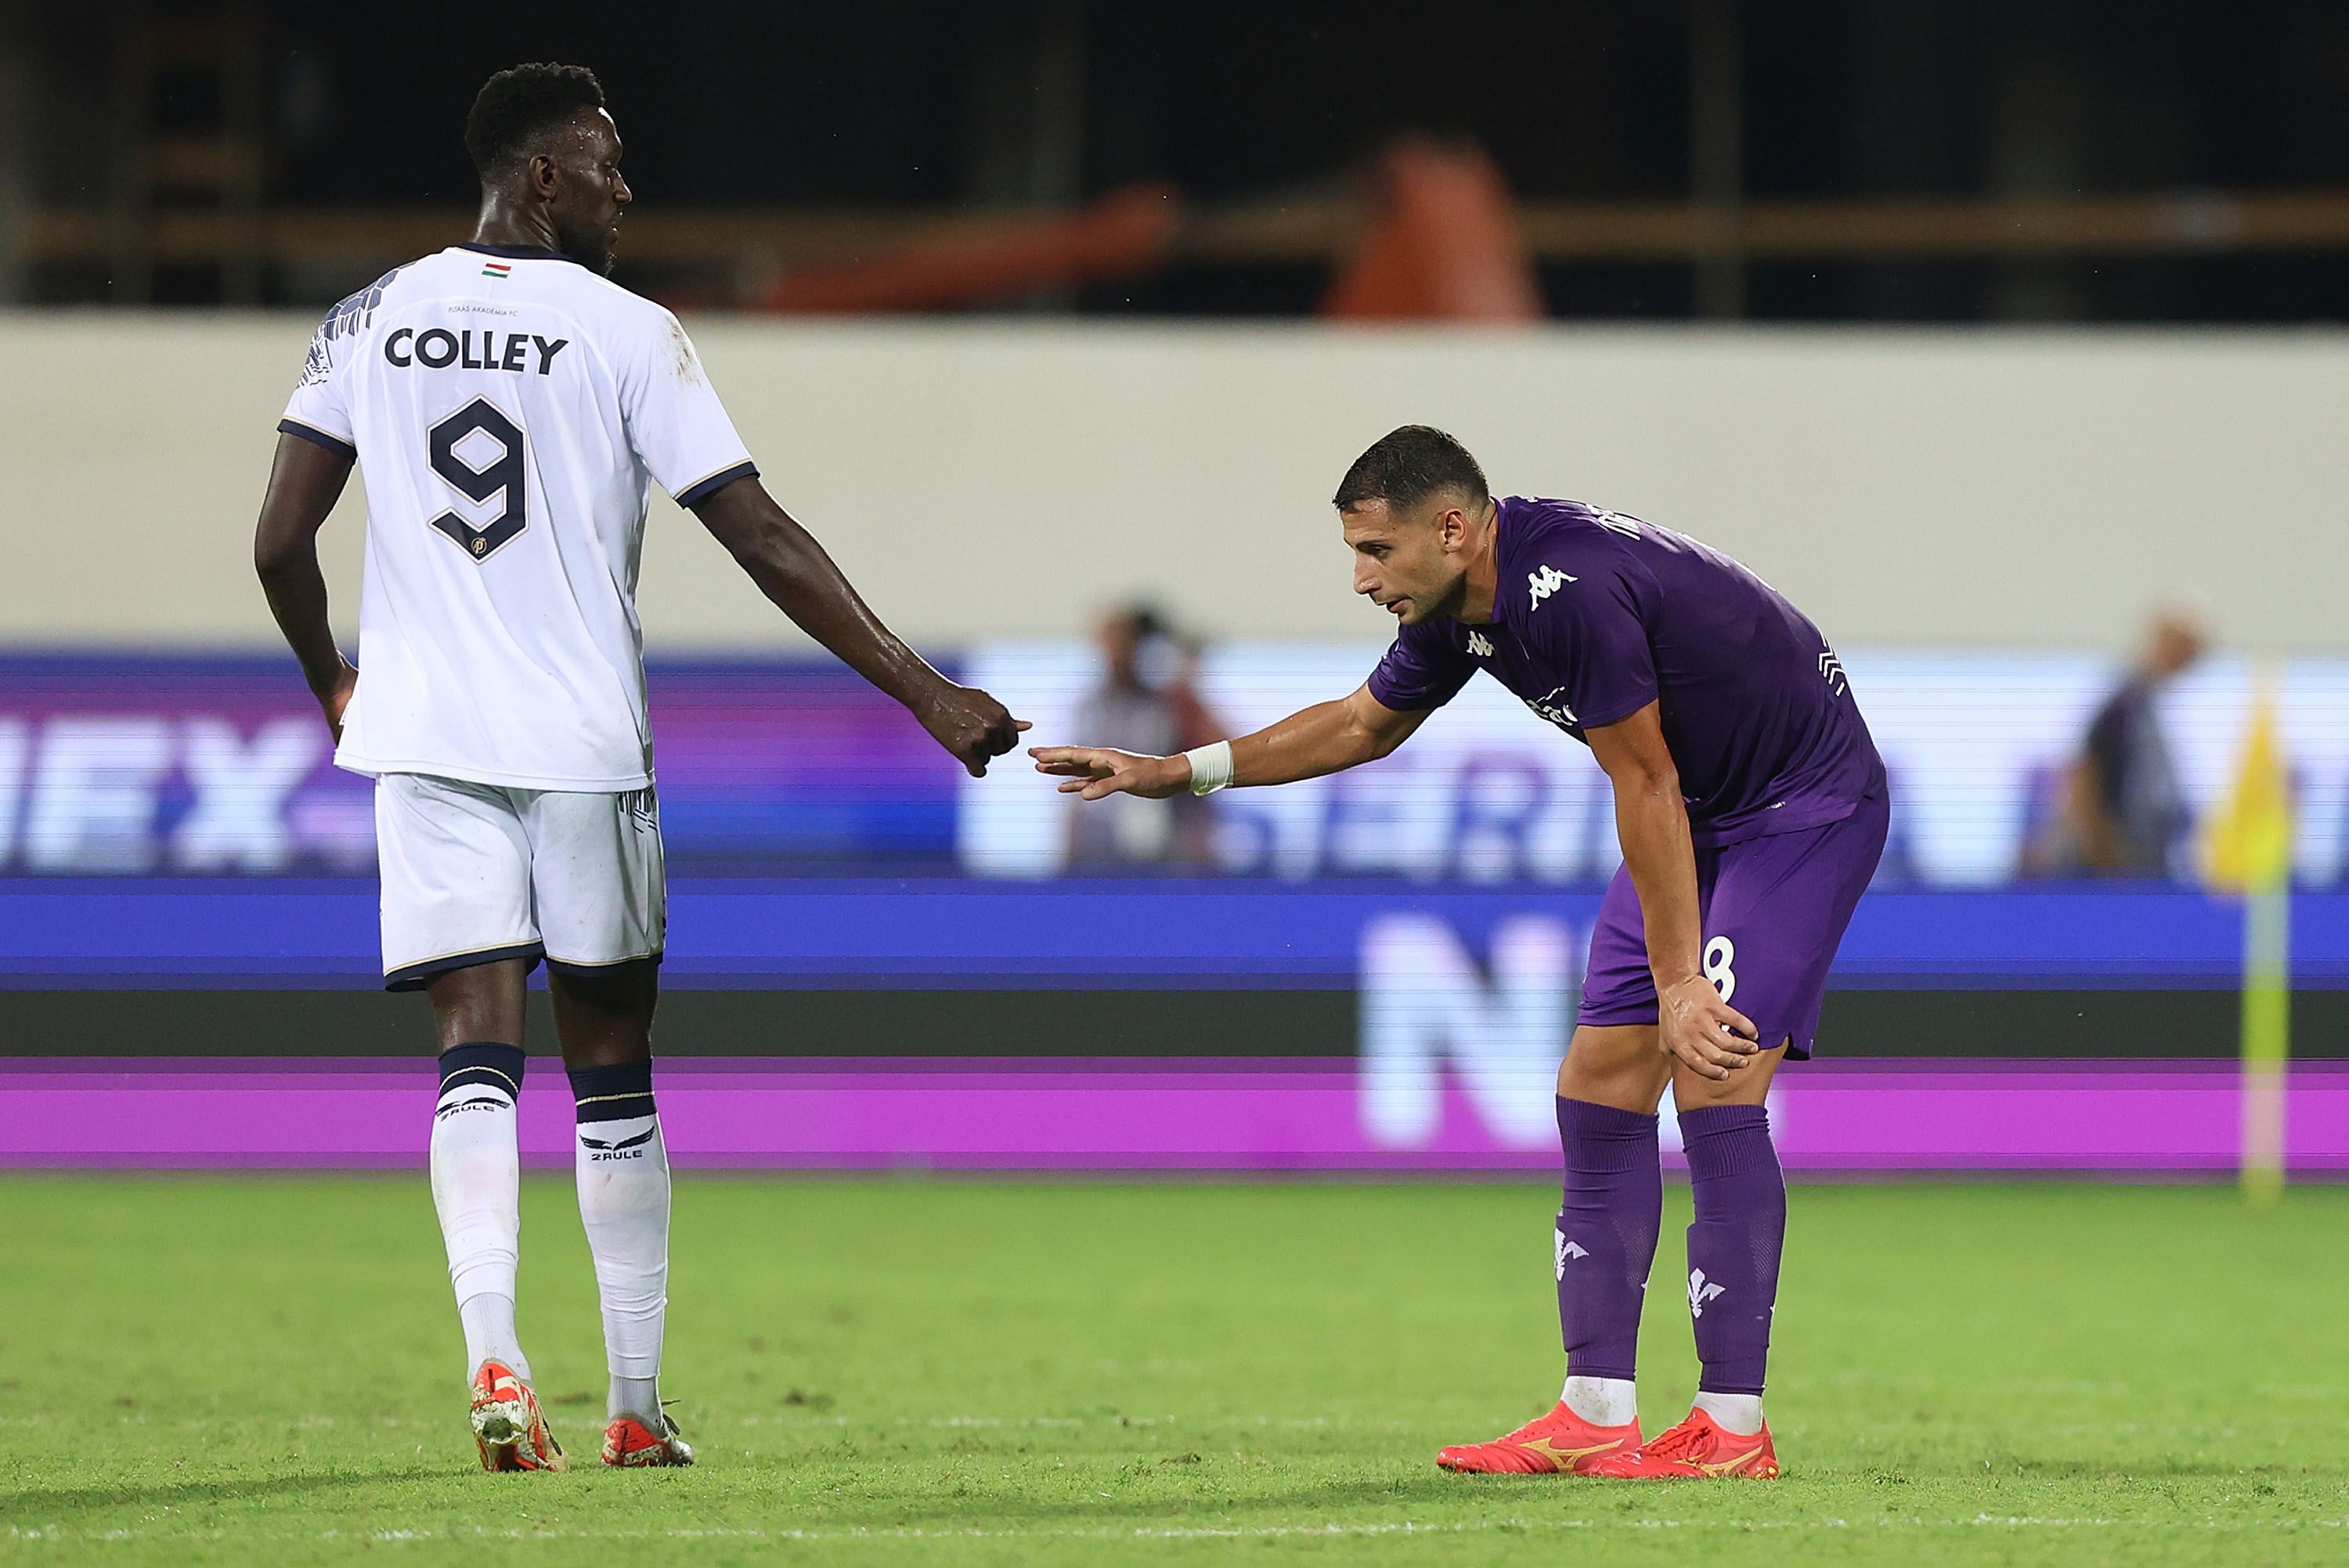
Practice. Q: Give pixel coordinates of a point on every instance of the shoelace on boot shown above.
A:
(1679, 1443)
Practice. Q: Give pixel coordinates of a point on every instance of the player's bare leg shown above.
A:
(1605, 1243)
(476, 1189)
(604, 1018)
(1734, 1248)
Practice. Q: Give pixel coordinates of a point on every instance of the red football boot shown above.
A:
(508, 1426)
(1560, 1443)
(1696, 1449)
(632, 1444)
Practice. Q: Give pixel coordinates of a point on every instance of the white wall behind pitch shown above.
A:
(984, 479)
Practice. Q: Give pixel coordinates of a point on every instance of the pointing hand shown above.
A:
(1091, 772)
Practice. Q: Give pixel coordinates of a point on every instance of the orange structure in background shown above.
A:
(1439, 241)
(1444, 245)
(1122, 234)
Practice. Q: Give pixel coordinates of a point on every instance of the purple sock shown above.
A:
(1734, 1244)
(1606, 1234)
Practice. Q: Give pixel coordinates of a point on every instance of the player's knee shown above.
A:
(605, 1050)
(1746, 1086)
(480, 1002)
(1618, 1067)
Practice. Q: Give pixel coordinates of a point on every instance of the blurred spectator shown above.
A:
(2122, 812)
(1148, 701)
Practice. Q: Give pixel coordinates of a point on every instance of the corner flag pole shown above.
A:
(2267, 1036)
(2248, 852)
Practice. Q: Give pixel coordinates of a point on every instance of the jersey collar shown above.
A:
(1501, 531)
(528, 253)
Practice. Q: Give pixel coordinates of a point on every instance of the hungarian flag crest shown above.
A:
(496, 269)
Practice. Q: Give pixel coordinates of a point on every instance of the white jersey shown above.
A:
(509, 409)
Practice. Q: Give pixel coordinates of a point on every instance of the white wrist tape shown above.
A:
(1211, 767)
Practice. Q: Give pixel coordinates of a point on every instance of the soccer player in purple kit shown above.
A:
(1751, 808)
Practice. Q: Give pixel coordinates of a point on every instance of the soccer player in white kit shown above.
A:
(511, 407)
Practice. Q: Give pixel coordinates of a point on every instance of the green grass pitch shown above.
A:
(267, 1370)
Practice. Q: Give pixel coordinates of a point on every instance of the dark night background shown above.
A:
(900, 104)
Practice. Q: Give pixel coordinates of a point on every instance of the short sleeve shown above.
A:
(317, 412)
(1425, 669)
(1593, 627)
(676, 423)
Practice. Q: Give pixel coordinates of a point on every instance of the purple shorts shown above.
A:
(1774, 911)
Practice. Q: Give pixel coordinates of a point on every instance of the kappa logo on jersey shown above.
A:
(1479, 645)
(1553, 708)
(1619, 522)
(1547, 581)
(1700, 1291)
(1566, 1252)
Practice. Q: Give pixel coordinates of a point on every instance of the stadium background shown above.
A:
(1982, 328)
(1020, 348)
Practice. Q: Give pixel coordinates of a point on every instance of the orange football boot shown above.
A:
(1696, 1449)
(508, 1426)
(1560, 1443)
(631, 1444)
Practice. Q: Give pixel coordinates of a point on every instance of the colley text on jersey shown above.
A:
(436, 347)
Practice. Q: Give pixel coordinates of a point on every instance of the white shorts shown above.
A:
(473, 873)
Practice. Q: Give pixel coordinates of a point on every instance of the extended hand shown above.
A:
(970, 724)
(1093, 771)
(1712, 1038)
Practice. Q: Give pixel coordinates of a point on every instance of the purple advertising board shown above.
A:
(1298, 1116)
(220, 765)
(172, 825)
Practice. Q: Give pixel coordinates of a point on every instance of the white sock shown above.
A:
(624, 1200)
(1738, 1413)
(476, 1191)
(489, 1320)
(637, 1396)
(1603, 1401)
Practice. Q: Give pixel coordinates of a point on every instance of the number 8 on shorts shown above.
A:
(1720, 954)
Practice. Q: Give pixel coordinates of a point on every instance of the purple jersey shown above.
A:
(1597, 615)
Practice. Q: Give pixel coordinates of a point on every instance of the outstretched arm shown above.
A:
(1696, 1025)
(305, 482)
(792, 570)
(1326, 737)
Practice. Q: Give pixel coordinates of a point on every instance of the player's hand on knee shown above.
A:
(1703, 1032)
(970, 724)
(1093, 771)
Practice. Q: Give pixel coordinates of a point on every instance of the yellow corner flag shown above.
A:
(2247, 847)
(2246, 852)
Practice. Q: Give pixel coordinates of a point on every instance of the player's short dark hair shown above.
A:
(517, 107)
(1405, 467)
